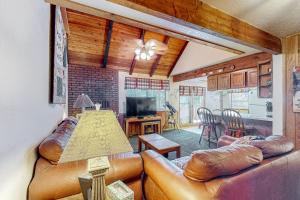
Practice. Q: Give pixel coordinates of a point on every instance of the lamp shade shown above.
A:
(98, 133)
(83, 101)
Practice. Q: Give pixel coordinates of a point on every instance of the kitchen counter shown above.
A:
(247, 116)
(261, 125)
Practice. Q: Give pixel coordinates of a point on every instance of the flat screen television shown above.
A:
(140, 106)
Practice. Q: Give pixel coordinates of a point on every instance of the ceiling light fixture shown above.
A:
(145, 52)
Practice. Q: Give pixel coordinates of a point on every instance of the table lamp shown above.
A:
(83, 101)
(97, 135)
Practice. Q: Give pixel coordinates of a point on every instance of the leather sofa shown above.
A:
(275, 178)
(55, 181)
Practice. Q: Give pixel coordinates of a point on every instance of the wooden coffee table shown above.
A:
(158, 143)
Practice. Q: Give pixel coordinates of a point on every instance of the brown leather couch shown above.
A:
(275, 178)
(55, 181)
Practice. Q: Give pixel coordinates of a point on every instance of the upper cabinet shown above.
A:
(265, 83)
(238, 79)
(224, 81)
(212, 83)
(252, 77)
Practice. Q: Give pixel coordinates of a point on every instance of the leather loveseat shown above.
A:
(55, 181)
(275, 178)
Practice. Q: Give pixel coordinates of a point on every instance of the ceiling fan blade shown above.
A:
(157, 45)
(139, 42)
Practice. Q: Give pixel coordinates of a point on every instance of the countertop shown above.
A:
(248, 116)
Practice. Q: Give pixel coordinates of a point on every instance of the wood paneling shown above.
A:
(228, 66)
(93, 41)
(224, 81)
(252, 77)
(117, 18)
(212, 83)
(176, 60)
(238, 79)
(201, 16)
(291, 49)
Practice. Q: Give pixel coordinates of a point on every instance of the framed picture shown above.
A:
(58, 58)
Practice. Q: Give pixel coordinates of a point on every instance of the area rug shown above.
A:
(189, 142)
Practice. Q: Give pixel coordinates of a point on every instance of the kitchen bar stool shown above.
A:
(208, 123)
(234, 124)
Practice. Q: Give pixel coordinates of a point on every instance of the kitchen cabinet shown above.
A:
(212, 83)
(252, 77)
(224, 81)
(265, 82)
(238, 79)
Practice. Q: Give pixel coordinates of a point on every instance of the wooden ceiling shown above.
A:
(91, 42)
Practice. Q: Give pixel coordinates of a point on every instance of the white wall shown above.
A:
(174, 88)
(198, 55)
(278, 94)
(25, 114)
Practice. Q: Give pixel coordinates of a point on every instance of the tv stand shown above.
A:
(136, 123)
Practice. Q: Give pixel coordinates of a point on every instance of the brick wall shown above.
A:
(98, 83)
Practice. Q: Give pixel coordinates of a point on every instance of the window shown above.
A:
(144, 87)
(240, 101)
(159, 94)
(236, 99)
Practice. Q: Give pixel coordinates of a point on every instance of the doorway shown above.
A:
(191, 98)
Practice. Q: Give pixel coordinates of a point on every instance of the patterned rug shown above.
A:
(189, 142)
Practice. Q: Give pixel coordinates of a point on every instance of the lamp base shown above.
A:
(98, 167)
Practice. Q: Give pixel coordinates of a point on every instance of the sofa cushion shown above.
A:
(208, 164)
(271, 146)
(52, 147)
(180, 162)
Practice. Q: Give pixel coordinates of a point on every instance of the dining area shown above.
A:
(231, 122)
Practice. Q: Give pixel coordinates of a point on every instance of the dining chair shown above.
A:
(234, 123)
(208, 123)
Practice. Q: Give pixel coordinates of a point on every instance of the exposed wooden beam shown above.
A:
(155, 64)
(142, 34)
(228, 66)
(200, 16)
(108, 39)
(117, 18)
(64, 15)
(175, 62)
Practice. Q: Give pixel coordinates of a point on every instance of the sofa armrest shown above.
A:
(57, 181)
(225, 140)
(170, 179)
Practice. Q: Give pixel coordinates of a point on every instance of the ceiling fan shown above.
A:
(145, 51)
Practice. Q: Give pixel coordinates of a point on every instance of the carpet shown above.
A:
(189, 142)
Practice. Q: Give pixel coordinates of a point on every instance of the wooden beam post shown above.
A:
(108, 39)
(227, 66)
(142, 35)
(155, 64)
(175, 62)
(200, 16)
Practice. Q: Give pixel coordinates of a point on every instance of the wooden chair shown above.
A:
(234, 124)
(208, 122)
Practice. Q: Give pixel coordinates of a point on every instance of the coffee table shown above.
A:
(158, 143)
